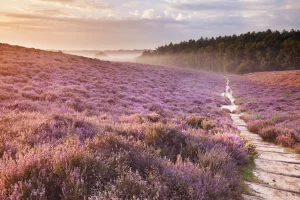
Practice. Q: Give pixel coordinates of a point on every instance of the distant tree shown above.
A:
(248, 52)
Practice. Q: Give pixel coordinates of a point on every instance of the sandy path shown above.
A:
(278, 171)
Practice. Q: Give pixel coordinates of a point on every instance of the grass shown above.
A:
(248, 175)
(247, 171)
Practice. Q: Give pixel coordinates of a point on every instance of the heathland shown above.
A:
(73, 127)
(271, 101)
(79, 128)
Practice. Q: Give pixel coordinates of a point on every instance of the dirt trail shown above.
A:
(278, 171)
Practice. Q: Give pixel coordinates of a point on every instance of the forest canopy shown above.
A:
(249, 52)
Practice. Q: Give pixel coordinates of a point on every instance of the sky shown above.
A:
(116, 24)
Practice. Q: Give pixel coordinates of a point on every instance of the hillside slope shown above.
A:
(285, 78)
(272, 103)
(80, 128)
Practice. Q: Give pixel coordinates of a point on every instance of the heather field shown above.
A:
(271, 101)
(80, 128)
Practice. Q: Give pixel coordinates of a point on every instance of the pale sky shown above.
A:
(116, 24)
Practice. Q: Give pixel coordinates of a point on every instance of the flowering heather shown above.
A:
(79, 128)
(282, 78)
(272, 106)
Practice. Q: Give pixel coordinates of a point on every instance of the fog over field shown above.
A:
(110, 55)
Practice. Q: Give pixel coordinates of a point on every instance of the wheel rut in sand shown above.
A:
(277, 171)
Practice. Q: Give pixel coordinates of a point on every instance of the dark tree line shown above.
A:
(249, 52)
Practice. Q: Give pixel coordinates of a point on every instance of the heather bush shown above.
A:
(154, 117)
(135, 118)
(40, 166)
(143, 162)
(190, 181)
(277, 133)
(297, 148)
(170, 141)
(195, 121)
(31, 95)
(5, 95)
(200, 122)
(235, 146)
(208, 124)
(285, 140)
(219, 162)
(59, 126)
(131, 186)
(251, 149)
(256, 126)
(269, 133)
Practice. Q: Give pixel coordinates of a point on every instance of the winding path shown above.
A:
(278, 171)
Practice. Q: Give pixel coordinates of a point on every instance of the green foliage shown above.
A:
(258, 116)
(275, 116)
(241, 99)
(195, 121)
(249, 52)
(287, 93)
(248, 175)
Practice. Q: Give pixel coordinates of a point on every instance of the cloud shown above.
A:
(232, 5)
(126, 30)
(136, 13)
(80, 4)
(77, 33)
(141, 24)
(242, 15)
(48, 12)
(180, 17)
(150, 14)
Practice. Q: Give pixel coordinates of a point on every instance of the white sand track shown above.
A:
(277, 170)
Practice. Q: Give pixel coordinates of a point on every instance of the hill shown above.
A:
(287, 78)
(73, 127)
(271, 101)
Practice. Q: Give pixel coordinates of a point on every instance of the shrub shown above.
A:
(256, 126)
(251, 148)
(203, 184)
(269, 133)
(195, 121)
(208, 124)
(130, 186)
(135, 118)
(297, 148)
(5, 95)
(170, 141)
(235, 146)
(154, 117)
(285, 140)
(59, 126)
(156, 108)
(42, 168)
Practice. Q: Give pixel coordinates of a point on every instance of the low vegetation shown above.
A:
(79, 128)
(275, 113)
